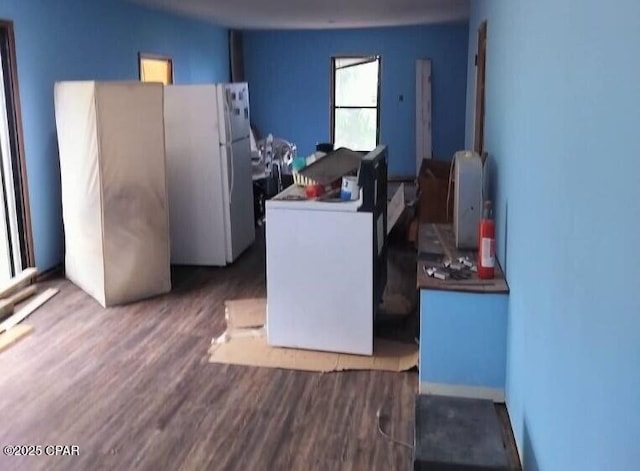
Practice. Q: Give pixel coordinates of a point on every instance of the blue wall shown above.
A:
(463, 339)
(79, 39)
(563, 116)
(289, 74)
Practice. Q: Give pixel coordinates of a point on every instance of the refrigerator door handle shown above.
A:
(229, 144)
(233, 176)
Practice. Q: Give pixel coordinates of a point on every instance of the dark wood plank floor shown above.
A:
(132, 388)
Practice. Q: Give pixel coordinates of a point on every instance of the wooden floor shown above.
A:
(132, 388)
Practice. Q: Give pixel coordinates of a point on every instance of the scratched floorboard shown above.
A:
(131, 387)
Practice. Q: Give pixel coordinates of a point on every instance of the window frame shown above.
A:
(16, 137)
(333, 107)
(157, 57)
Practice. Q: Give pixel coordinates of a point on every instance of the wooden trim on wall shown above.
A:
(236, 56)
(481, 67)
(28, 255)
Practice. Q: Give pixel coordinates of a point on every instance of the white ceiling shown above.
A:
(317, 14)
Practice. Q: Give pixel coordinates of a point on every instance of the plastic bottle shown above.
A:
(486, 244)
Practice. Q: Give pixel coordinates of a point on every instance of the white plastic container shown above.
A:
(350, 189)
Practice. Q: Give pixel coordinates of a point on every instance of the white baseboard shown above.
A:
(456, 390)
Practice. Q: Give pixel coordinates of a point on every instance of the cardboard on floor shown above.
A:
(245, 343)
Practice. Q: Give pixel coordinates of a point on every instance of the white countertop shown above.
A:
(294, 198)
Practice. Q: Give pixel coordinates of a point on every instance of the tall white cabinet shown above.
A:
(114, 189)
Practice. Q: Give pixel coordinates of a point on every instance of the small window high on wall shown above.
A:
(355, 102)
(154, 68)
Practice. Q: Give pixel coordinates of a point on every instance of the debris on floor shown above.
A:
(15, 293)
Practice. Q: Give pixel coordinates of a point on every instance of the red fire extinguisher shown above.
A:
(486, 244)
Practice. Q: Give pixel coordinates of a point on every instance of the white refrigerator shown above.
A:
(207, 131)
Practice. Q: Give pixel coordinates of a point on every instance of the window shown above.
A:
(355, 104)
(155, 68)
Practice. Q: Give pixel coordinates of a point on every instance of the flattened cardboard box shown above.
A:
(245, 343)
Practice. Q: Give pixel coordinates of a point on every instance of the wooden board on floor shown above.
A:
(13, 335)
(23, 294)
(16, 282)
(26, 310)
(7, 305)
